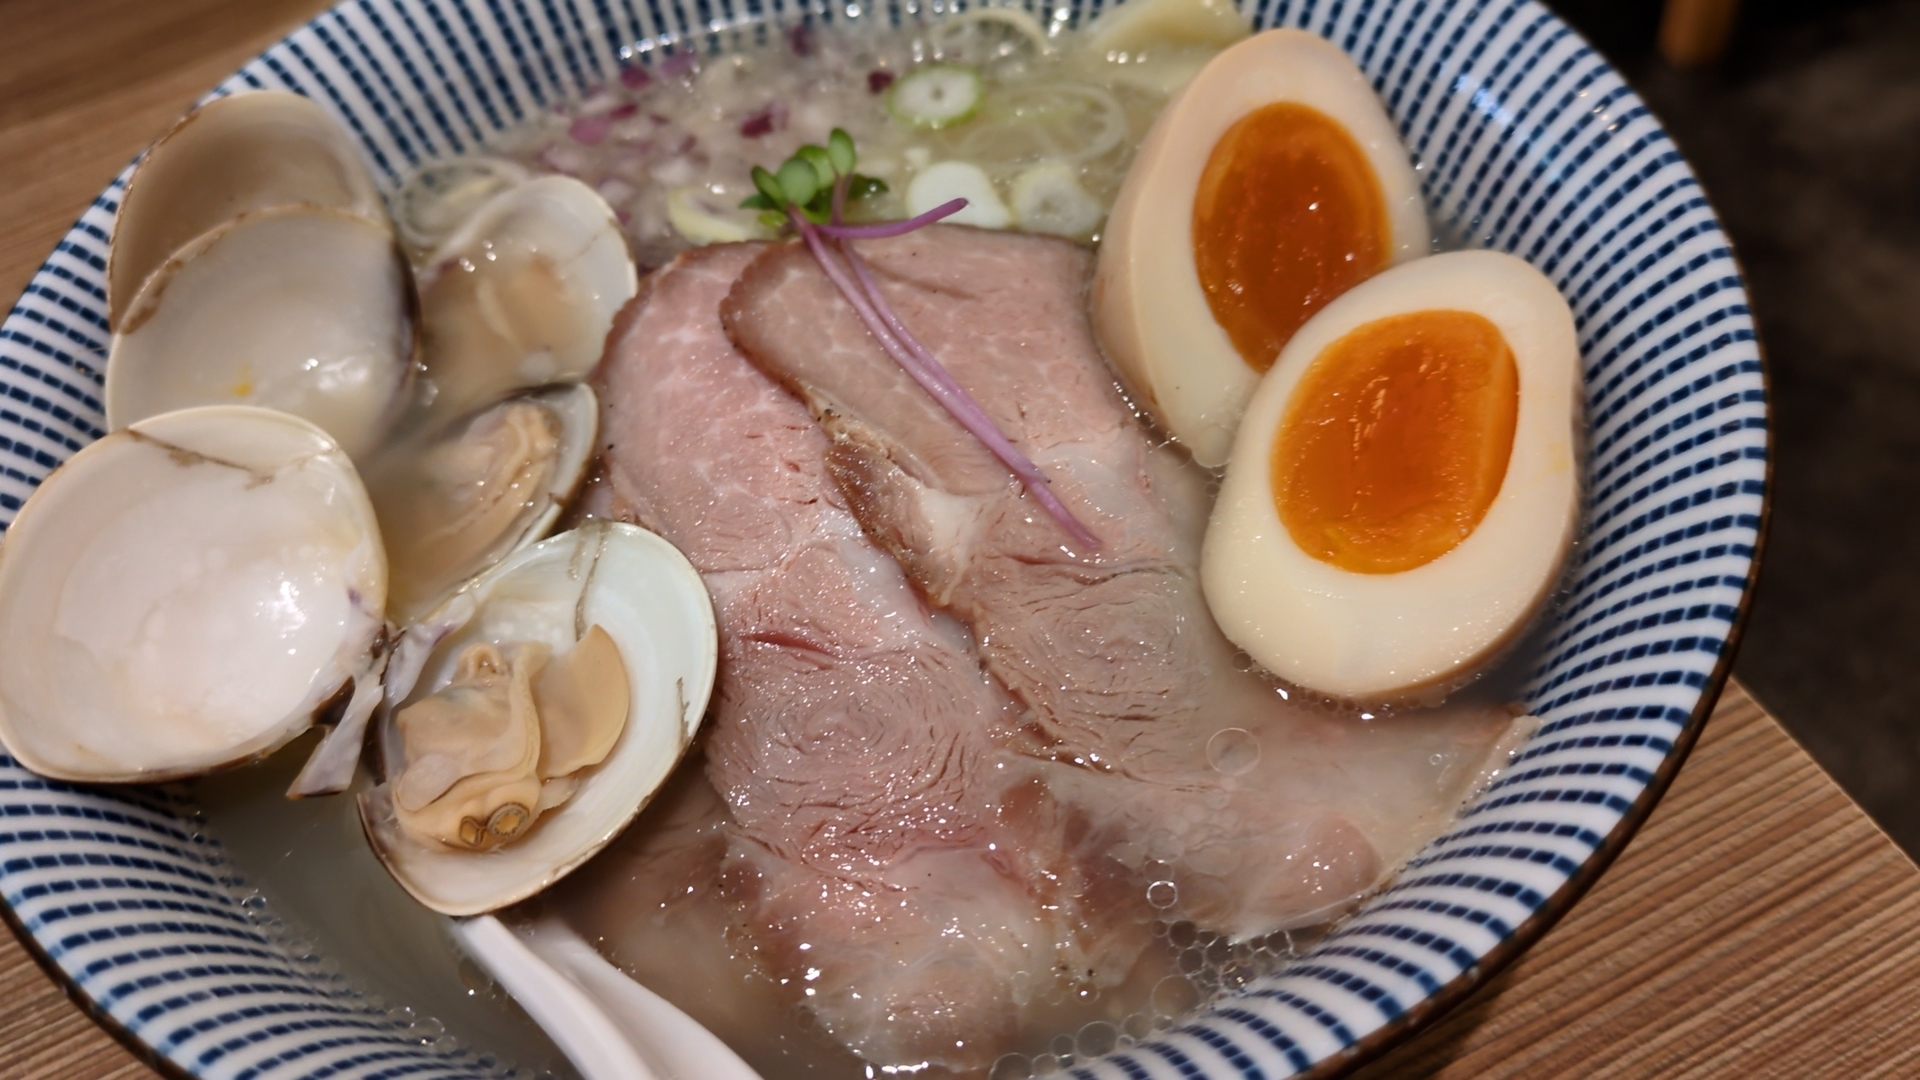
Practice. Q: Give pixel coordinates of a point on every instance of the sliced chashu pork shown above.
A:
(879, 871)
(1261, 813)
(656, 902)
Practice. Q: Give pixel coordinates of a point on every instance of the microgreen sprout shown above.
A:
(816, 179)
(809, 191)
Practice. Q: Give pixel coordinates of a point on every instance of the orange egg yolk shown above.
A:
(1288, 216)
(1395, 441)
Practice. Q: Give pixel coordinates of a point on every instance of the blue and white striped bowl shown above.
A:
(1528, 142)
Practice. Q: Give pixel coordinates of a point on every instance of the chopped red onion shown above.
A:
(680, 64)
(564, 158)
(765, 122)
(624, 110)
(616, 191)
(878, 80)
(800, 40)
(590, 130)
(634, 77)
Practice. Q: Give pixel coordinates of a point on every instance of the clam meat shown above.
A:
(453, 502)
(552, 702)
(502, 743)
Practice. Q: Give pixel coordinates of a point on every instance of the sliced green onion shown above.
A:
(936, 96)
(1048, 198)
(691, 212)
(948, 180)
(952, 36)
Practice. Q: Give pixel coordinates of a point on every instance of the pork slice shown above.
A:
(1091, 644)
(656, 902)
(1195, 771)
(823, 642)
(852, 737)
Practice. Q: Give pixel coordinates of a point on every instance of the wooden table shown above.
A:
(1759, 925)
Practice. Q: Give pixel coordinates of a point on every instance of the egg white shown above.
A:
(1149, 310)
(1377, 636)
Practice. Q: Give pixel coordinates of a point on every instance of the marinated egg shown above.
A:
(1402, 491)
(1271, 185)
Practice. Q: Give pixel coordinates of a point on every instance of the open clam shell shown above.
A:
(438, 197)
(455, 502)
(297, 308)
(522, 295)
(650, 600)
(236, 154)
(185, 595)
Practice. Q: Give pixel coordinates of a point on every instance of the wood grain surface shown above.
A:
(1758, 926)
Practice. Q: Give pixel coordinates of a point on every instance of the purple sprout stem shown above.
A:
(889, 228)
(1023, 467)
(840, 185)
(924, 368)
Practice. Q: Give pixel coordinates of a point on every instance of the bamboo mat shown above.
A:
(1759, 925)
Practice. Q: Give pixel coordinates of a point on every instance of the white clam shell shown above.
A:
(245, 152)
(651, 601)
(297, 308)
(185, 595)
(438, 197)
(474, 349)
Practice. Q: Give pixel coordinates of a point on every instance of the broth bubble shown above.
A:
(1175, 996)
(1233, 751)
(1011, 1067)
(1162, 895)
(1183, 934)
(1095, 1039)
(1193, 960)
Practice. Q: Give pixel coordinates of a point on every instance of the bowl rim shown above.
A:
(1429, 1010)
(1420, 1015)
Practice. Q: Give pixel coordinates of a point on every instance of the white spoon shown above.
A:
(609, 1026)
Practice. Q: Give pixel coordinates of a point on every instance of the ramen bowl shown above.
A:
(1526, 141)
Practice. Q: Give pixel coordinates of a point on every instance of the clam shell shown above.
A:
(522, 295)
(654, 605)
(185, 595)
(399, 478)
(296, 308)
(437, 198)
(236, 154)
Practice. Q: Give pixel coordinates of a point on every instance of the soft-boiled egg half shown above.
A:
(1403, 489)
(1271, 185)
